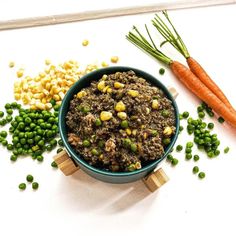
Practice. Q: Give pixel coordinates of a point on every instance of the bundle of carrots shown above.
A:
(195, 77)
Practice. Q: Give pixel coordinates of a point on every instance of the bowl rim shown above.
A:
(109, 70)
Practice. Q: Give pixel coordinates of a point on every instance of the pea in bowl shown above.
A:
(109, 133)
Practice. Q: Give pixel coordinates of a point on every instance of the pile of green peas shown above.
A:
(33, 131)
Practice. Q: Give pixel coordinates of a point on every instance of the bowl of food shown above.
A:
(118, 123)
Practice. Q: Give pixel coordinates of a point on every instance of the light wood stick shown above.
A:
(104, 13)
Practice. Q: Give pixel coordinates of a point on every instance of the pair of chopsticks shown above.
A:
(105, 13)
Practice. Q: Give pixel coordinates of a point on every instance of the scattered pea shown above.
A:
(179, 148)
(35, 185)
(221, 120)
(195, 169)
(210, 126)
(162, 71)
(169, 157)
(226, 150)
(29, 178)
(22, 186)
(54, 164)
(196, 157)
(174, 161)
(201, 175)
(185, 115)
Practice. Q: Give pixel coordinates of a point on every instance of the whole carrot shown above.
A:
(176, 41)
(186, 76)
(202, 91)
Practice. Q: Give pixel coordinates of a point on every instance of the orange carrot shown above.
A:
(197, 69)
(202, 91)
(176, 41)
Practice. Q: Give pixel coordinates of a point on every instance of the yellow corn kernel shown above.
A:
(104, 77)
(25, 86)
(122, 115)
(133, 93)
(101, 85)
(114, 59)
(155, 104)
(37, 79)
(145, 135)
(167, 131)
(105, 89)
(17, 90)
(47, 62)
(17, 96)
(128, 131)
(109, 90)
(138, 165)
(45, 91)
(62, 95)
(58, 102)
(120, 106)
(44, 101)
(104, 64)
(48, 106)
(33, 107)
(20, 73)
(81, 94)
(134, 132)
(147, 110)
(85, 42)
(56, 97)
(142, 126)
(42, 74)
(40, 105)
(55, 90)
(118, 85)
(41, 95)
(11, 64)
(105, 115)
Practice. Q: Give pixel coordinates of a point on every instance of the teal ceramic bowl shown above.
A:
(108, 176)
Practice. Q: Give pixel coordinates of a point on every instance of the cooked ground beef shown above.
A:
(120, 123)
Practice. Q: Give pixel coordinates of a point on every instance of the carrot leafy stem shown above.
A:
(143, 43)
(170, 35)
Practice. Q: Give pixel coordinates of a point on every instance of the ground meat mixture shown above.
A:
(120, 123)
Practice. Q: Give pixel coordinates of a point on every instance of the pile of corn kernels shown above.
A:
(52, 83)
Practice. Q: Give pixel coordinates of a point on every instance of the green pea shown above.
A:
(124, 124)
(221, 120)
(7, 106)
(180, 116)
(35, 185)
(169, 157)
(174, 161)
(196, 157)
(210, 154)
(29, 178)
(179, 148)
(13, 157)
(56, 107)
(98, 122)
(201, 175)
(161, 71)
(201, 114)
(185, 115)
(154, 133)
(190, 127)
(40, 158)
(60, 143)
(9, 118)
(9, 146)
(127, 142)
(166, 141)
(226, 150)
(165, 113)
(188, 156)
(53, 102)
(4, 142)
(59, 150)
(1, 114)
(49, 147)
(95, 152)
(28, 120)
(3, 134)
(181, 128)
(86, 143)
(131, 167)
(200, 108)
(189, 144)
(133, 147)
(195, 169)
(188, 150)
(54, 164)
(217, 152)
(86, 109)
(9, 111)
(22, 186)
(210, 126)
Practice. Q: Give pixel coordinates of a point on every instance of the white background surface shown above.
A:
(80, 205)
